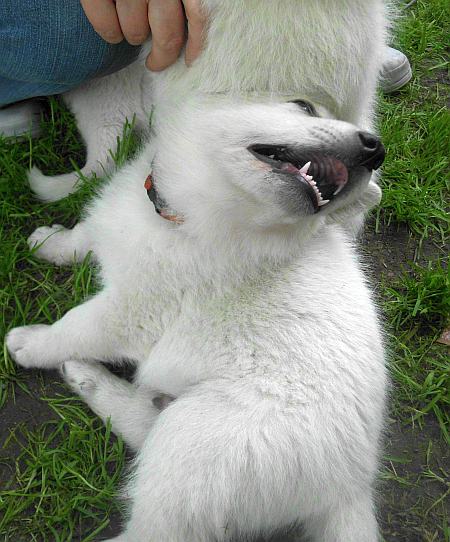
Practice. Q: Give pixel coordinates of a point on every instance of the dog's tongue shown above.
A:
(339, 172)
(330, 173)
(324, 176)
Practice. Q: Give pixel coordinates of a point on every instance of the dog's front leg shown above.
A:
(89, 331)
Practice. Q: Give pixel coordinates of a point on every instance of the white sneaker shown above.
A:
(21, 119)
(396, 71)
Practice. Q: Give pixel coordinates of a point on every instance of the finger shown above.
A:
(197, 20)
(166, 19)
(103, 17)
(133, 20)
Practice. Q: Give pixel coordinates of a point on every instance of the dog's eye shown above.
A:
(306, 106)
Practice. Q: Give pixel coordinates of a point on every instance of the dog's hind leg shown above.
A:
(131, 409)
(59, 245)
(347, 522)
(210, 471)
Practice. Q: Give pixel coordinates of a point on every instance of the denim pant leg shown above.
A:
(49, 47)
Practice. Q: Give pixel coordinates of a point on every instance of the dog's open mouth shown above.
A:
(323, 176)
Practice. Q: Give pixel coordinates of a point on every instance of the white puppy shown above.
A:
(241, 297)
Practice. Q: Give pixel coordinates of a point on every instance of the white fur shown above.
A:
(253, 313)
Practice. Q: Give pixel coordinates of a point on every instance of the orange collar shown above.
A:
(160, 205)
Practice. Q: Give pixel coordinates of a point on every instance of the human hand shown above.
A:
(133, 20)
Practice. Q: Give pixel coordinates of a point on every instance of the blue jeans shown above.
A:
(49, 47)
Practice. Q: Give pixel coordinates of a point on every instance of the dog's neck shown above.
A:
(214, 228)
(204, 244)
(196, 254)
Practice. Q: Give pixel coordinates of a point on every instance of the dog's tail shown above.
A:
(53, 188)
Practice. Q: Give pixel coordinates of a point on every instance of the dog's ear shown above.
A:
(351, 217)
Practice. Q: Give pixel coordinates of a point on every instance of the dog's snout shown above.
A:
(371, 149)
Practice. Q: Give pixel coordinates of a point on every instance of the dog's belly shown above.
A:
(299, 339)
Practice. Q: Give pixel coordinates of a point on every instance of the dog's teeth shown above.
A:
(271, 156)
(323, 202)
(305, 168)
(309, 178)
(338, 190)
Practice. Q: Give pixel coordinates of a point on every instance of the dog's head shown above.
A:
(264, 165)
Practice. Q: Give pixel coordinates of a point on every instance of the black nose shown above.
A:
(372, 150)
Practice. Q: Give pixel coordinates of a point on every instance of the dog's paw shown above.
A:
(51, 244)
(27, 345)
(82, 376)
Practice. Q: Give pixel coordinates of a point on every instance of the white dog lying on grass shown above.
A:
(241, 297)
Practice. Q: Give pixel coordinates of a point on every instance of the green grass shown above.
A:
(418, 309)
(66, 475)
(416, 173)
(420, 298)
(415, 125)
(64, 469)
